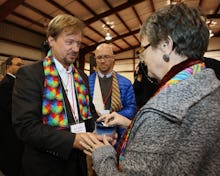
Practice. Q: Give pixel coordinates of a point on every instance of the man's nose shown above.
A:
(102, 59)
(75, 47)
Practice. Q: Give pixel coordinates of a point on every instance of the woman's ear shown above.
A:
(167, 45)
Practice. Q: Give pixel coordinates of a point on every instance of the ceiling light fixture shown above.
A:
(108, 26)
(211, 34)
(108, 36)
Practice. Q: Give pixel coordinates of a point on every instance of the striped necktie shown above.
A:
(115, 98)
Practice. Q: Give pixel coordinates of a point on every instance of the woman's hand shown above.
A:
(115, 119)
(91, 142)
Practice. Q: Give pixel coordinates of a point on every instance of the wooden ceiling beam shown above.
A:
(92, 12)
(137, 16)
(122, 21)
(152, 5)
(55, 4)
(93, 47)
(45, 15)
(200, 3)
(28, 19)
(217, 9)
(24, 28)
(127, 49)
(8, 7)
(113, 11)
(20, 43)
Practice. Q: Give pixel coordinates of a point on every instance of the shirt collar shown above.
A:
(11, 75)
(102, 75)
(61, 68)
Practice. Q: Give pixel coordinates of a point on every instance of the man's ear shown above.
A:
(51, 41)
(113, 56)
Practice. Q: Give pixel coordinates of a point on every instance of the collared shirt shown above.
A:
(68, 84)
(11, 75)
(106, 88)
(102, 75)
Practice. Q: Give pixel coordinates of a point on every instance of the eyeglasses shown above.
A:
(105, 57)
(141, 50)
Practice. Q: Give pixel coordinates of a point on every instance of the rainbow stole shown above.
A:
(53, 105)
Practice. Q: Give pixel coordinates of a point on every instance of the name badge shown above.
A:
(78, 128)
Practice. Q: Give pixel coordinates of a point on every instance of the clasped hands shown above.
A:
(88, 142)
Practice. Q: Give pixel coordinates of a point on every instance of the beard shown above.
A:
(71, 57)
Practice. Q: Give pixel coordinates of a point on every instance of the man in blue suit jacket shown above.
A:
(106, 82)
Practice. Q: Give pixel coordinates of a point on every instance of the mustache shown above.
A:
(73, 53)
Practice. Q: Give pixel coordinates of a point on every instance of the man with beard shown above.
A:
(51, 105)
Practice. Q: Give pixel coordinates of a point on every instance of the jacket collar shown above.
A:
(175, 101)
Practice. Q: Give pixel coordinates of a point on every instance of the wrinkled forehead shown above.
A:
(104, 50)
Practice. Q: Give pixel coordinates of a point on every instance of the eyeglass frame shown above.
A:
(105, 57)
(141, 50)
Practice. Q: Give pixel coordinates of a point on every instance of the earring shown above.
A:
(166, 57)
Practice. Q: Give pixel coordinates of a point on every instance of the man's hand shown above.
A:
(78, 138)
(91, 142)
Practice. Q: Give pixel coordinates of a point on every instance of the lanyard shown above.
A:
(71, 96)
(73, 103)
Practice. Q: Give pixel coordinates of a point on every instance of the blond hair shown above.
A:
(64, 21)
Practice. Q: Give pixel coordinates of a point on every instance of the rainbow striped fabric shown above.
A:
(53, 105)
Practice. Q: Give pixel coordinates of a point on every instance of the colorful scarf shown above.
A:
(53, 105)
(182, 75)
(186, 73)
